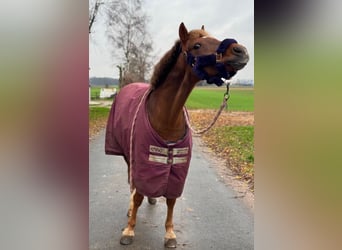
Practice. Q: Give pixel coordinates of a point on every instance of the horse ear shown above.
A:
(202, 27)
(183, 33)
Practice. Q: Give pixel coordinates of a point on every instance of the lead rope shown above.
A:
(223, 105)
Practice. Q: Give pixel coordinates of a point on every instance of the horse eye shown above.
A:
(197, 46)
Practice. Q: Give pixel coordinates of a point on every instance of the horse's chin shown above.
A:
(235, 66)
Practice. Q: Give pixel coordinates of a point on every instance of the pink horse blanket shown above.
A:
(157, 168)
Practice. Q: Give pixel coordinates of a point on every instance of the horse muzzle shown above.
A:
(238, 57)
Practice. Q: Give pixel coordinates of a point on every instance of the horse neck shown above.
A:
(165, 104)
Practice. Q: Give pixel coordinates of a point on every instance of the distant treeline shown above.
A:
(103, 81)
(237, 82)
(108, 81)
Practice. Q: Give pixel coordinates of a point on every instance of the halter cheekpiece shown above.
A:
(199, 62)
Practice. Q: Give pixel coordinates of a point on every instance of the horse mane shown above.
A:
(164, 66)
(166, 63)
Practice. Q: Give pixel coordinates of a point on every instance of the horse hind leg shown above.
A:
(170, 236)
(128, 233)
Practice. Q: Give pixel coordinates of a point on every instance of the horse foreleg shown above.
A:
(151, 201)
(131, 203)
(170, 236)
(130, 207)
(128, 233)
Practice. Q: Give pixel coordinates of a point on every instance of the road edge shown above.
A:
(226, 176)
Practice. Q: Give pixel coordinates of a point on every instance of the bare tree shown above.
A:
(128, 32)
(140, 62)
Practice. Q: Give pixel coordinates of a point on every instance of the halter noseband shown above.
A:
(199, 62)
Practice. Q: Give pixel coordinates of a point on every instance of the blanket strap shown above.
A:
(131, 184)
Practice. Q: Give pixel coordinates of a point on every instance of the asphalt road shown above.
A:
(207, 216)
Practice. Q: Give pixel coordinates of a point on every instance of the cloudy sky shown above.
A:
(221, 18)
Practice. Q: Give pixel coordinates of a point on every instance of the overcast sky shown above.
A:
(221, 18)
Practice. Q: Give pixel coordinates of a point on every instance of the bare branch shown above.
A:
(93, 13)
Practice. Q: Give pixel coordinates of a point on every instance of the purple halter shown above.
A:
(199, 62)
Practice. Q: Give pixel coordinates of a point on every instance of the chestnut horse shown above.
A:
(147, 123)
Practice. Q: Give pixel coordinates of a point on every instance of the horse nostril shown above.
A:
(237, 50)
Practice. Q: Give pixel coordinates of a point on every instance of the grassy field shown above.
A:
(241, 99)
(95, 92)
(96, 113)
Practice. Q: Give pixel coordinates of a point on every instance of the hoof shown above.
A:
(126, 240)
(152, 201)
(170, 243)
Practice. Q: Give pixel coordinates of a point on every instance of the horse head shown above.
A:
(209, 58)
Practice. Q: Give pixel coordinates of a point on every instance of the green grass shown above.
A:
(236, 143)
(95, 92)
(211, 98)
(97, 113)
(240, 139)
